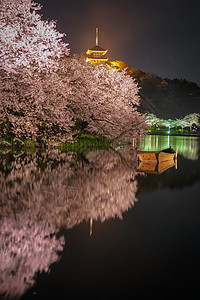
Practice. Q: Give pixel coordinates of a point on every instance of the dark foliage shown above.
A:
(167, 98)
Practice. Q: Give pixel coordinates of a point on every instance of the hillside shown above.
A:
(165, 97)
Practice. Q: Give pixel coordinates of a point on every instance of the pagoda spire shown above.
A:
(97, 36)
(96, 54)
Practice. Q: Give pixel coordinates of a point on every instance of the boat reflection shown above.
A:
(155, 167)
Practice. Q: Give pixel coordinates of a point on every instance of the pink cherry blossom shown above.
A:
(41, 89)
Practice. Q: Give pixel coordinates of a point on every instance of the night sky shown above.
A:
(157, 36)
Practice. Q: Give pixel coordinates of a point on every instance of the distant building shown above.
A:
(96, 54)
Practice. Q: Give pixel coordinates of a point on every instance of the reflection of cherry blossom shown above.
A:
(103, 186)
(27, 245)
(41, 193)
(25, 249)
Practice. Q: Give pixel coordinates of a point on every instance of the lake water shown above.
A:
(89, 226)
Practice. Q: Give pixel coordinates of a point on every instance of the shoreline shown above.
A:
(174, 134)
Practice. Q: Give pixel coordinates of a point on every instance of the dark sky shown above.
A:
(157, 36)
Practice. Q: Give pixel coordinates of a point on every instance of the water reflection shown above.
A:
(154, 167)
(188, 146)
(43, 192)
(25, 249)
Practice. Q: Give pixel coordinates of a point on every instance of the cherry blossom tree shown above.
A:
(192, 119)
(33, 107)
(43, 93)
(108, 100)
(104, 98)
(152, 120)
(179, 122)
(27, 41)
(187, 121)
(30, 50)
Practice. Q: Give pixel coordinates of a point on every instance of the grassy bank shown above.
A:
(82, 143)
(171, 131)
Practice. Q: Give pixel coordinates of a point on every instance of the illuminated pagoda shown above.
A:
(96, 54)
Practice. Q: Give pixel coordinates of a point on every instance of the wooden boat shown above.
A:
(164, 155)
(155, 167)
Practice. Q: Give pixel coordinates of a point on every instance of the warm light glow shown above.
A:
(96, 60)
(93, 52)
(114, 64)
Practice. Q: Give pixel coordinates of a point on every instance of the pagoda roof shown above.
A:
(97, 57)
(97, 48)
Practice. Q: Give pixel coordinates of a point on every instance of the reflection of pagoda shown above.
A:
(96, 54)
